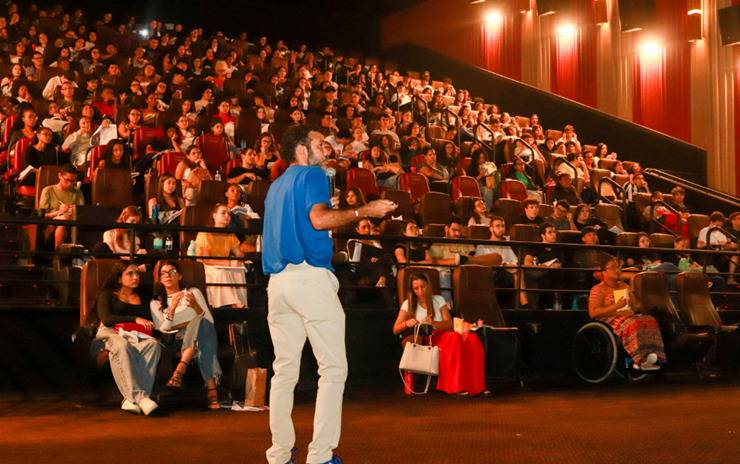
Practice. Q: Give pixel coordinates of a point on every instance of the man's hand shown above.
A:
(378, 208)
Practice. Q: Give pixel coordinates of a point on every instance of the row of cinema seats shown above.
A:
(96, 272)
(692, 331)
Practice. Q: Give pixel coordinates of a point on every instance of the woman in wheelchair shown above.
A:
(613, 303)
(185, 314)
(133, 356)
(461, 357)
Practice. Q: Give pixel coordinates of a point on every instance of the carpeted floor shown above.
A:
(653, 423)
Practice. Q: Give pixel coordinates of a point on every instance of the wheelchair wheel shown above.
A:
(595, 350)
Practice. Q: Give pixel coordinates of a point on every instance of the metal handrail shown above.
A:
(716, 194)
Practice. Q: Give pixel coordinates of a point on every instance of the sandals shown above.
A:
(212, 395)
(175, 382)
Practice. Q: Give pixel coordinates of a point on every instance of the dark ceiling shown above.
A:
(348, 25)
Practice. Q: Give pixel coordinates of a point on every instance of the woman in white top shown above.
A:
(461, 356)
(119, 240)
(185, 313)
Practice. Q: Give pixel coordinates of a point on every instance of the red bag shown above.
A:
(132, 327)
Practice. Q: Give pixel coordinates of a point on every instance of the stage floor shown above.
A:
(660, 422)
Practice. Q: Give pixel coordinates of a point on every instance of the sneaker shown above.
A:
(292, 455)
(649, 367)
(147, 405)
(652, 358)
(128, 406)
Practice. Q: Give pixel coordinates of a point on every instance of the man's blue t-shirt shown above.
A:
(288, 235)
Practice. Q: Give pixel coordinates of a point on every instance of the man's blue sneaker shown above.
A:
(292, 455)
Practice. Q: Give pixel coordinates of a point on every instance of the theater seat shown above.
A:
(363, 179)
(627, 239)
(112, 187)
(212, 192)
(610, 214)
(392, 227)
(256, 194)
(696, 222)
(214, 149)
(94, 275)
(167, 163)
(475, 299)
(651, 289)
(465, 186)
(402, 199)
(414, 183)
(514, 189)
(45, 176)
(434, 208)
(478, 232)
(509, 209)
(662, 240)
(145, 136)
(524, 233)
(199, 215)
(464, 207)
(434, 230)
(94, 154)
(696, 305)
(569, 236)
(699, 313)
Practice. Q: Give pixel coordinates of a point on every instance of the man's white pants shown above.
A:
(303, 302)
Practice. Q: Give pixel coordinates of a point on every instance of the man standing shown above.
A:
(302, 293)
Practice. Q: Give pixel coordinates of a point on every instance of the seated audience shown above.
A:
(543, 261)
(58, 202)
(530, 213)
(461, 360)
(561, 217)
(249, 169)
(119, 240)
(411, 252)
(508, 276)
(133, 358)
(438, 175)
(564, 190)
(167, 200)
(613, 302)
(220, 267)
(480, 214)
(184, 312)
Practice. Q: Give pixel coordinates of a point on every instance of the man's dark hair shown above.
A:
(530, 201)
(69, 169)
(292, 138)
(544, 226)
(587, 230)
(563, 203)
(455, 220)
(716, 216)
(498, 218)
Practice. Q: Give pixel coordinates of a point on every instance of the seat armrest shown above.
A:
(701, 329)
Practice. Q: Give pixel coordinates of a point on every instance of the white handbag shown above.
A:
(419, 359)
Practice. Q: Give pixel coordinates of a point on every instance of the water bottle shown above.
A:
(168, 243)
(218, 175)
(158, 243)
(191, 248)
(155, 213)
(557, 305)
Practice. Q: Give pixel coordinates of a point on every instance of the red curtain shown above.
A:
(502, 45)
(661, 87)
(736, 52)
(573, 57)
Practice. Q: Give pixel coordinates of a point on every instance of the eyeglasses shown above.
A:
(170, 273)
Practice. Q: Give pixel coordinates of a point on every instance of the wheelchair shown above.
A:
(597, 354)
